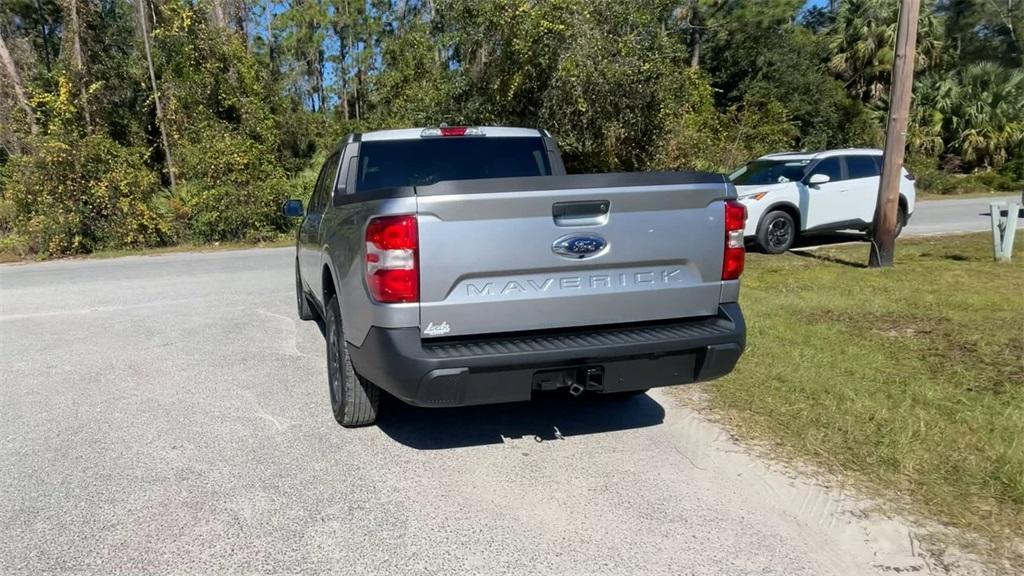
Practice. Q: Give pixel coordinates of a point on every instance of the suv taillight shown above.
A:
(735, 220)
(392, 259)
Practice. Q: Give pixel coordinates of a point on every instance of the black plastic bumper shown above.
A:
(508, 368)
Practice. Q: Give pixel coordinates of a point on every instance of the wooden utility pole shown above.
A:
(883, 241)
(156, 92)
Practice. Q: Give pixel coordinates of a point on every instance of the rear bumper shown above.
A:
(494, 369)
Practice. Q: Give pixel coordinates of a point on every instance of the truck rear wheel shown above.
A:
(305, 310)
(354, 399)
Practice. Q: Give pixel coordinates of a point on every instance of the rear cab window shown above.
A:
(425, 161)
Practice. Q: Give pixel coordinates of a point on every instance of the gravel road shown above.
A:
(169, 414)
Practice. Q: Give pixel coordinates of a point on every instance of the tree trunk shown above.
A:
(342, 72)
(241, 14)
(321, 92)
(156, 93)
(272, 54)
(218, 14)
(349, 44)
(479, 62)
(19, 89)
(45, 33)
(78, 61)
(695, 50)
(696, 30)
(359, 85)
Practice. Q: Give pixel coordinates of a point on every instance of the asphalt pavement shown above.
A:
(932, 217)
(170, 414)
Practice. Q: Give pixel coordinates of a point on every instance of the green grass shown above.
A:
(909, 381)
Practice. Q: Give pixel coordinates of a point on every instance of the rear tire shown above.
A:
(776, 233)
(901, 220)
(305, 310)
(354, 399)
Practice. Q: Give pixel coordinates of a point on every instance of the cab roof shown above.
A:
(822, 154)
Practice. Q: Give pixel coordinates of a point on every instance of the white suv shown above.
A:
(795, 193)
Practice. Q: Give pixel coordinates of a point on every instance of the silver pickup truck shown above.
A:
(456, 266)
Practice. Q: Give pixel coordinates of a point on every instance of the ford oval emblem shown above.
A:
(579, 246)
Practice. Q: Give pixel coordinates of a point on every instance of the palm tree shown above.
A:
(978, 111)
(863, 42)
(986, 116)
(932, 94)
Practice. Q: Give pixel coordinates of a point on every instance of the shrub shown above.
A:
(199, 213)
(931, 179)
(215, 155)
(1001, 181)
(698, 137)
(80, 195)
(230, 188)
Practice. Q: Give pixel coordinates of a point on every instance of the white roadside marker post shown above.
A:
(1003, 229)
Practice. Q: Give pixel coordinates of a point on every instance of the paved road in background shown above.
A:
(951, 216)
(169, 414)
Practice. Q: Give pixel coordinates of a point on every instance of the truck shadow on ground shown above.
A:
(553, 416)
(548, 418)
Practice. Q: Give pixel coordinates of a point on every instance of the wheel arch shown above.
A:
(787, 207)
(328, 284)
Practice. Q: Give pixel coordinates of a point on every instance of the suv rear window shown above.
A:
(394, 163)
(861, 167)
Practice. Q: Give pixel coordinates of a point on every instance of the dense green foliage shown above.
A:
(254, 92)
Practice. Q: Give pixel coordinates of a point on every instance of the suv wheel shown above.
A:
(305, 310)
(354, 399)
(901, 220)
(776, 233)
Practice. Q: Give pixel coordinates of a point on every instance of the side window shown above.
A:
(324, 184)
(861, 167)
(314, 196)
(330, 181)
(831, 167)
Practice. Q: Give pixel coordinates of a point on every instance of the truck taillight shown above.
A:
(735, 221)
(392, 259)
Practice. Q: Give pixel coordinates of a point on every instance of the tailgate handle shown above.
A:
(585, 213)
